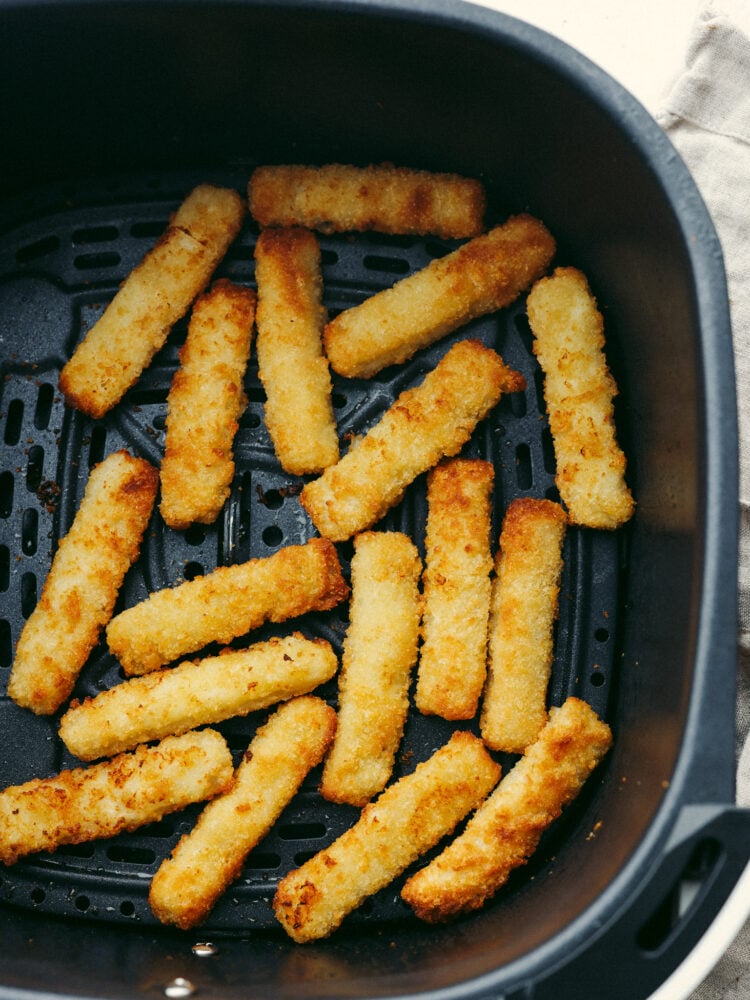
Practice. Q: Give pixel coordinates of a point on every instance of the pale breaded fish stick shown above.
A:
(387, 199)
(579, 391)
(456, 586)
(505, 830)
(227, 603)
(83, 582)
(407, 819)
(524, 608)
(204, 405)
(196, 693)
(158, 292)
(380, 650)
(207, 860)
(89, 803)
(482, 276)
(426, 423)
(291, 364)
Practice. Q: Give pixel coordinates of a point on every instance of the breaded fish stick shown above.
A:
(158, 292)
(524, 607)
(482, 276)
(207, 860)
(88, 803)
(426, 423)
(456, 586)
(578, 390)
(291, 364)
(83, 582)
(226, 603)
(380, 650)
(409, 818)
(506, 828)
(196, 693)
(387, 199)
(204, 406)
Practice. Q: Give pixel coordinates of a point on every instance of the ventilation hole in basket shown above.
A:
(29, 531)
(148, 230)
(6, 494)
(82, 903)
(192, 570)
(159, 423)
(94, 234)
(524, 473)
(273, 536)
(240, 252)
(250, 420)
(97, 445)
(339, 400)
(4, 568)
(437, 250)
(548, 452)
(524, 332)
(130, 854)
(37, 895)
(195, 534)
(385, 265)
(37, 249)
(302, 856)
(271, 499)
(96, 261)
(328, 258)
(43, 409)
(597, 679)
(14, 421)
(302, 831)
(76, 850)
(28, 594)
(6, 644)
(34, 468)
(541, 403)
(262, 861)
(127, 909)
(601, 635)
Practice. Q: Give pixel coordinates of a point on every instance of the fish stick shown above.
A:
(486, 274)
(579, 391)
(127, 792)
(383, 198)
(227, 603)
(81, 588)
(291, 364)
(207, 860)
(157, 293)
(507, 827)
(426, 423)
(523, 611)
(406, 820)
(380, 650)
(456, 586)
(196, 693)
(204, 405)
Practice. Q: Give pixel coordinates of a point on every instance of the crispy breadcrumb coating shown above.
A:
(505, 830)
(341, 198)
(579, 390)
(204, 406)
(83, 582)
(408, 818)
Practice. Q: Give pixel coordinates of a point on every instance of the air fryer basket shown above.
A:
(115, 110)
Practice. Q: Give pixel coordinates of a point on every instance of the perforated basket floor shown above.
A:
(62, 257)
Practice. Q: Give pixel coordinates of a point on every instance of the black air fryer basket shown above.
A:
(111, 112)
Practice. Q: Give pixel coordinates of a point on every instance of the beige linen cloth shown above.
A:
(707, 116)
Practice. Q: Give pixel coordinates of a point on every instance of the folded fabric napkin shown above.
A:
(707, 117)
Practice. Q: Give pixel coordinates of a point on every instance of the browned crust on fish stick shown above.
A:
(456, 586)
(380, 650)
(196, 693)
(207, 860)
(226, 603)
(89, 803)
(204, 406)
(83, 582)
(482, 276)
(341, 198)
(407, 819)
(158, 292)
(523, 611)
(579, 391)
(426, 423)
(506, 828)
(291, 364)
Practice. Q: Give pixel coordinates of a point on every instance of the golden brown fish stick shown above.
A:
(426, 423)
(158, 292)
(340, 198)
(579, 391)
(291, 364)
(89, 803)
(83, 582)
(482, 276)
(506, 828)
(207, 860)
(204, 405)
(226, 603)
(409, 818)
(523, 611)
(380, 650)
(456, 586)
(196, 693)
